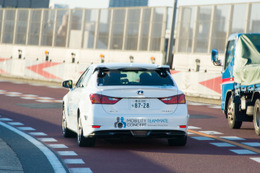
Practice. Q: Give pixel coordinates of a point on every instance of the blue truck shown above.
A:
(240, 79)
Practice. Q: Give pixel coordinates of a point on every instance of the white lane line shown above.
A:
(196, 104)
(15, 123)
(215, 106)
(73, 161)
(5, 119)
(45, 98)
(54, 161)
(27, 98)
(29, 95)
(58, 146)
(26, 128)
(193, 127)
(38, 134)
(202, 138)
(257, 159)
(211, 132)
(80, 170)
(232, 138)
(44, 101)
(67, 153)
(14, 93)
(243, 151)
(252, 144)
(222, 144)
(47, 139)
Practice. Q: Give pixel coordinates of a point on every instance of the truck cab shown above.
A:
(240, 79)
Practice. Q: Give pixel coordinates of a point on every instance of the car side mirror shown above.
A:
(214, 57)
(67, 84)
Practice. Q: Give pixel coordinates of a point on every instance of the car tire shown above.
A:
(177, 141)
(256, 117)
(65, 131)
(232, 112)
(83, 141)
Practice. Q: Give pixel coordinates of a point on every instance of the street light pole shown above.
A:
(169, 56)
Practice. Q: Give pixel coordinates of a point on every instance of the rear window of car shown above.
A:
(134, 77)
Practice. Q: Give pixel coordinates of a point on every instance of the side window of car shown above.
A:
(81, 79)
(87, 77)
(229, 53)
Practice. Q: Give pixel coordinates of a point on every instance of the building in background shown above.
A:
(127, 3)
(24, 3)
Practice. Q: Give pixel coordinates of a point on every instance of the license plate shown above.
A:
(140, 104)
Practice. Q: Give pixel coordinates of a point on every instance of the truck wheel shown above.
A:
(232, 112)
(257, 117)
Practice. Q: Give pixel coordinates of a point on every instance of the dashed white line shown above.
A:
(80, 170)
(193, 127)
(242, 151)
(232, 138)
(58, 146)
(257, 159)
(202, 138)
(37, 134)
(211, 132)
(222, 144)
(15, 123)
(26, 128)
(5, 119)
(54, 161)
(67, 153)
(74, 161)
(252, 144)
(47, 139)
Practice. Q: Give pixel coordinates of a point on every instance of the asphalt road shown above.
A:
(212, 146)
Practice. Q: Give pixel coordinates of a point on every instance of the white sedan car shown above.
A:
(125, 100)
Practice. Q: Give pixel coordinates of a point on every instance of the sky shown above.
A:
(104, 3)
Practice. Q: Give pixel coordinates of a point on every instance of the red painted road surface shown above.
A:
(133, 155)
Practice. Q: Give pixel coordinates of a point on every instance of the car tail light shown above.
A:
(178, 99)
(96, 126)
(102, 99)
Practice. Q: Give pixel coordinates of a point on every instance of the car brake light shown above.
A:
(102, 99)
(178, 99)
(95, 126)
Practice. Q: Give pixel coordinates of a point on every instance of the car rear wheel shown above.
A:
(257, 117)
(232, 112)
(177, 141)
(83, 141)
(65, 131)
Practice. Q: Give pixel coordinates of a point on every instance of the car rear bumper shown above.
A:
(138, 133)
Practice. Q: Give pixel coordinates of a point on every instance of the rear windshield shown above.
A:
(134, 77)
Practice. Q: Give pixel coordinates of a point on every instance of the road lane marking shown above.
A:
(202, 138)
(257, 159)
(243, 151)
(80, 170)
(252, 144)
(193, 127)
(211, 132)
(15, 123)
(74, 161)
(67, 153)
(232, 138)
(38, 134)
(26, 128)
(58, 146)
(222, 144)
(54, 161)
(47, 139)
(227, 141)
